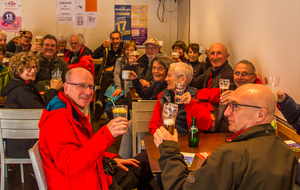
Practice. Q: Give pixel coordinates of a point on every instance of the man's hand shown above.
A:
(110, 68)
(132, 75)
(162, 134)
(144, 83)
(106, 43)
(117, 126)
(280, 96)
(121, 163)
(117, 92)
(225, 96)
(56, 85)
(36, 47)
(185, 98)
(132, 59)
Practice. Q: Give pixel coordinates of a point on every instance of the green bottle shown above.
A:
(193, 134)
(47, 88)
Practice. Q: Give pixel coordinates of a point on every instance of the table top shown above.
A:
(133, 94)
(207, 143)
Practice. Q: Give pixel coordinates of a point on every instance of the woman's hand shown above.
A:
(117, 92)
(132, 75)
(122, 162)
(57, 85)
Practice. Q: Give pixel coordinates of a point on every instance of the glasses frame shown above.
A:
(241, 73)
(232, 105)
(28, 69)
(84, 86)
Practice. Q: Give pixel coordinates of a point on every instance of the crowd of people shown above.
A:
(74, 156)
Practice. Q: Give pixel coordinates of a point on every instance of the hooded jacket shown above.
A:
(84, 60)
(23, 94)
(72, 154)
(195, 108)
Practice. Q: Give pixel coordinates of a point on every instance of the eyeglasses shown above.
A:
(235, 105)
(26, 37)
(81, 86)
(244, 74)
(28, 69)
(48, 45)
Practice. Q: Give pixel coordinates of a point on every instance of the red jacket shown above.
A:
(199, 109)
(72, 154)
(84, 60)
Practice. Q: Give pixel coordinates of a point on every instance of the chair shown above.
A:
(37, 165)
(142, 111)
(97, 79)
(17, 124)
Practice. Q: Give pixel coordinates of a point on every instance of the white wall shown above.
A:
(40, 16)
(265, 32)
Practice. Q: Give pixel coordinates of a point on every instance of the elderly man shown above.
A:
(254, 158)
(80, 55)
(73, 156)
(25, 42)
(143, 70)
(218, 57)
(49, 62)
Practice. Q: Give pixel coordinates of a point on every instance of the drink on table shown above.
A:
(169, 116)
(224, 85)
(169, 124)
(193, 134)
(179, 91)
(272, 82)
(120, 111)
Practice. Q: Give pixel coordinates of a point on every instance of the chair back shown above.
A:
(142, 111)
(37, 165)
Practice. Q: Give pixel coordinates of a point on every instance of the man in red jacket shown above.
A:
(73, 156)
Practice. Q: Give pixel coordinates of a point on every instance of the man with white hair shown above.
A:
(254, 158)
(80, 55)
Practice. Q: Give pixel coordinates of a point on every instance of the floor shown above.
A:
(13, 181)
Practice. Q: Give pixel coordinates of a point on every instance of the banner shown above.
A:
(132, 22)
(122, 21)
(10, 12)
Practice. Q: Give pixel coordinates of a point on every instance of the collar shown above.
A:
(252, 132)
(217, 71)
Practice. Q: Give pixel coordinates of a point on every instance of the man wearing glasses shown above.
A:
(49, 62)
(72, 154)
(254, 158)
(25, 43)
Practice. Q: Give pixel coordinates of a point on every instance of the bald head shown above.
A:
(218, 55)
(253, 104)
(75, 72)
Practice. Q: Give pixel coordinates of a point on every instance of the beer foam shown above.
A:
(169, 122)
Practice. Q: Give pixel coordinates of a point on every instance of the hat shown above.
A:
(152, 41)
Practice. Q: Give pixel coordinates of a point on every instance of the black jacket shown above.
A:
(198, 68)
(24, 95)
(111, 57)
(151, 92)
(143, 69)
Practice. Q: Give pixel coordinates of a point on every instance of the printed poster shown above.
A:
(83, 13)
(122, 21)
(139, 24)
(10, 16)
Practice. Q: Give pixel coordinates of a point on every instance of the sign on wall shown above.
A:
(10, 12)
(131, 21)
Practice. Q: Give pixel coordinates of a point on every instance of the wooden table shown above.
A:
(133, 94)
(207, 143)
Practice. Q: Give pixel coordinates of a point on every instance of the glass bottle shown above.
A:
(193, 134)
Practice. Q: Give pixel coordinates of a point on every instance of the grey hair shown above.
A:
(183, 69)
(80, 36)
(59, 38)
(247, 62)
(163, 60)
(3, 33)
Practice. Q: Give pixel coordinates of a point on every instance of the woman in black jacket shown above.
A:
(22, 94)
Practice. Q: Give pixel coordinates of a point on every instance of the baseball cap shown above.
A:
(152, 41)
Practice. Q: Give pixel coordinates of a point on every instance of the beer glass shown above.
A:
(272, 82)
(56, 75)
(175, 56)
(38, 39)
(224, 86)
(17, 37)
(169, 115)
(120, 111)
(61, 55)
(179, 91)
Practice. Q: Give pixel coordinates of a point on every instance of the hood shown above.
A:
(62, 104)
(11, 85)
